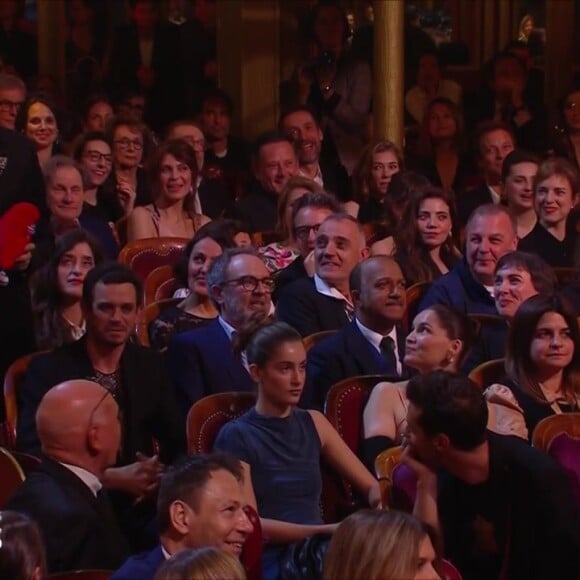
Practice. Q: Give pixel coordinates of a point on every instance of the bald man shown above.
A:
(373, 343)
(79, 430)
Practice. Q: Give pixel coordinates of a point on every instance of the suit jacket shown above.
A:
(201, 362)
(345, 354)
(214, 197)
(308, 311)
(470, 200)
(146, 399)
(258, 208)
(289, 274)
(335, 179)
(79, 530)
(143, 566)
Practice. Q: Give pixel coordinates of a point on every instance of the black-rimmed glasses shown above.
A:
(250, 283)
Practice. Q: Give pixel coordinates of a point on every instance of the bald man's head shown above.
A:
(77, 421)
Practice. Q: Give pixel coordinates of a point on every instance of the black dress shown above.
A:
(559, 254)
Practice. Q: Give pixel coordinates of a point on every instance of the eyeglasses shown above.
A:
(124, 143)
(250, 283)
(96, 156)
(6, 105)
(302, 232)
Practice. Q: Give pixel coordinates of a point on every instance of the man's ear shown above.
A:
(217, 293)
(179, 517)
(441, 442)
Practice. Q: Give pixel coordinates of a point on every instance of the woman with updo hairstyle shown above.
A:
(542, 366)
(201, 564)
(173, 213)
(379, 161)
(381, 545)
(57, 289)
(424, 240)
(440, 339)
(280, 445)
(22, 554)
(556, 192)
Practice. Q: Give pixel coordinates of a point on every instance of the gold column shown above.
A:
(51, 39)
(249, 61)
(389, 74)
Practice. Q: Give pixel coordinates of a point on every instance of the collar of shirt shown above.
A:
(317, 177)
(165, 553)
(495, 196)
(375, 339)
(88, 478)
(323, 288)
(75, 330)
(229, 330)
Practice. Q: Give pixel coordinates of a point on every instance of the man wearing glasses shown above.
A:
(202, 361)
(12, 95)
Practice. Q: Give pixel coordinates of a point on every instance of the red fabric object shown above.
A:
(16, 228)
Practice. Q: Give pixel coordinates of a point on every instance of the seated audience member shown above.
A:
(518, 172)
(430, 87)
(493, 142)
(211, 195)
(308, 212)
(112, 297)
(93, 152)
(230, 154)
(381, 545)
(173, 212)
(280, 254)
(65, 182)
(97, 114)
(22, 553)
(373, 343)
(324, 302)
(200, 504)
(38, 119)
(280, 446)
(477, 488)
(490, 233)
(377, 164)
(57, 289)
(506, 101)
(518, 276)
(201, 564)
(12, 96)
(128, 184)
(197, 308)
(534, 91)
(439, 154)
(302, 124)
(567, 138)
(80, 433)
(274, 162)
(440, 340)
(543, 368)
(202, 362)
(425, 240)
(556, 192)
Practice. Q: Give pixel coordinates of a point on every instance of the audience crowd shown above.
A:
(315, 255)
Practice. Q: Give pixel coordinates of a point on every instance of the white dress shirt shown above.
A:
(375, 339)
(88, 478)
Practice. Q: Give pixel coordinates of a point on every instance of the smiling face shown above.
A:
(276, 164)
(494, 147)
(552, 347)
(511, 287)
(41, 126)
(306, 225)
(441, 123)
(428, 345)
(281, 379)
(64, 194)
(201, 258)
(303, 128)
(98, 161)
(434, 222)
(175, 179)
(385, 165)
(72, 270)
(519, 186)
(554, 200)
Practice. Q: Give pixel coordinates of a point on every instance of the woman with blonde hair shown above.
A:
(381, 545)
(202, 564)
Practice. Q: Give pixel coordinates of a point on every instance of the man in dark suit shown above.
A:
(301, 123)
(191, 513)
(373, 343)
(135, 375)
(202, 361)
(79, 429)
(324, 303)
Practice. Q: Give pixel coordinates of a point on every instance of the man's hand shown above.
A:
(425, 476)
(23, 261)
(139, 479)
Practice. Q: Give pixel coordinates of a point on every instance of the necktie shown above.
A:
(388, 353)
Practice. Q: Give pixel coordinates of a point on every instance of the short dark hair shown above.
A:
(110, 273)
(185, 480)
(486, 127)
(269, 138)
(92, 100)
(85, 138)
(515, 157)
(298, 109)
(219, 96)
(543, 277)
(452, 405)
(318, 200)
(42, 98)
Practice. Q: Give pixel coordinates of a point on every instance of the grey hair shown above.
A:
(9, 82)
(58, 161)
